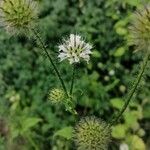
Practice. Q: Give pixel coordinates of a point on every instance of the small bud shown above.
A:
(124, 146)
(140, 29)
(92, 133)
(18, 16)
(56, 96)
(106, 78)
(122, 88)
(141, 132)
(111, 72)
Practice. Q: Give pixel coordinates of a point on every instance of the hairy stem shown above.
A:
(32, 142)
(50, 59)
(133, 89)
(72, 82)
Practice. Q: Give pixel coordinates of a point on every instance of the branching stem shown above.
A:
(72, 82)
(133, 89)
(51, 60)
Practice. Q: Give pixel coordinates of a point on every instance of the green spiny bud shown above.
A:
(92, 133)
(140, 29)
(56, 96)
(18, 16)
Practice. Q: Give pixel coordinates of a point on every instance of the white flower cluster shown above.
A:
(74, 49)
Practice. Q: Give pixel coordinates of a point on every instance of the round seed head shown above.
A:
(140, 29)
(56, 96)
(92, 133)
(18, 16)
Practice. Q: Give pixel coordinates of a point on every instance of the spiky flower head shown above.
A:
(92, 133)
(140, 29)
(74, 49)
(56, 96)
(18, 16)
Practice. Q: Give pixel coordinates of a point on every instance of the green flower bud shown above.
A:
(92, 133)
(18, 16)
(140, 29)
(56, 96)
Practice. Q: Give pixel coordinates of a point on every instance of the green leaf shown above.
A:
(2, 143)
(119, 52)
(65, 132)
(146, 111)
(121, 31)
(29, 123)
(136, 143)
(112, 85)
(96, 54)
(133, 2)
(117, 103)
(119, 131)
(131, 117)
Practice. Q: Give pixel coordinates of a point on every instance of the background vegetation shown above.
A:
(27, 118)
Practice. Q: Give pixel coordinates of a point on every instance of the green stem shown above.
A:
(133, 89)
(51, 61)
(72, 82)
(32, 142)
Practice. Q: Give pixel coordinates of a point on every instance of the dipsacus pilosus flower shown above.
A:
(92, 133)
(74, 49)
(18, 16)
(56, 96)
(140, 29)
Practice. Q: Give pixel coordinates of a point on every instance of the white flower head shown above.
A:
(75, 49)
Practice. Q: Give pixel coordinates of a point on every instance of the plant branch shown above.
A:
(133, 89)
(50, 59)
(73, 77)
(32, 142)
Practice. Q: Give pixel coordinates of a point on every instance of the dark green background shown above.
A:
(26, 77)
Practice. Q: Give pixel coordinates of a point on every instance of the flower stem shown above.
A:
(133, 89)
(51, 60)
(32, 142)
(72, 82)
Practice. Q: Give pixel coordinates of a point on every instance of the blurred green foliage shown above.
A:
(27, 119)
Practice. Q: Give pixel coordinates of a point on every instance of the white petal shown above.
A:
(76, 59)
(87, 51)
(78, 40)
(72, 40)
(88, 46)
(85, 56)
(81, 45)
(62, 56)
(62, 48)
(71, 60)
